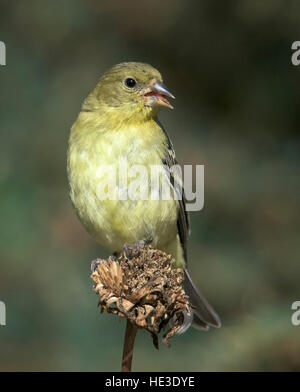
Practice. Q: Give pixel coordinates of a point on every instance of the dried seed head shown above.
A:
(145, 287)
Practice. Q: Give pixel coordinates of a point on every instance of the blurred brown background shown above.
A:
(236, 111)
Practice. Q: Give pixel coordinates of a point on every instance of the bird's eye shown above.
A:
(130, 82)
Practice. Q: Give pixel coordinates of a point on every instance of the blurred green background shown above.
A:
(237, 111)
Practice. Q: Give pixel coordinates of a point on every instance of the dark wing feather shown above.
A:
(183, 223)
(204, 314)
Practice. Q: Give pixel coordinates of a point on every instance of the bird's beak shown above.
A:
(155, 95)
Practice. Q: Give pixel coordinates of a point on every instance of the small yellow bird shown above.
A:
(118, 123)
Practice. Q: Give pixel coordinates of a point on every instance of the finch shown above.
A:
(118, 123)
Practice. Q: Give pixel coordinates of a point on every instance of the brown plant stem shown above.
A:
(130, 334)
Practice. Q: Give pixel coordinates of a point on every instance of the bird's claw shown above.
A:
(94, 264)
(129, 248)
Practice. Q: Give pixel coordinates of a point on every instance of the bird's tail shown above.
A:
(203, 315)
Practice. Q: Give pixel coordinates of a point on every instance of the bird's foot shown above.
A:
(96, 262)
(129, 248)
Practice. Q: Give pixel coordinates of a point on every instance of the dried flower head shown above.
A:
(145, 287)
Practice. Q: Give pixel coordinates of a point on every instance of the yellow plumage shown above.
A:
(115, 222)
(118, 123)
(104, 136)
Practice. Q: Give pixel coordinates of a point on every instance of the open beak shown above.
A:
(156, 95)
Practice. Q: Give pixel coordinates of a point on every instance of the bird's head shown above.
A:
(129, 91)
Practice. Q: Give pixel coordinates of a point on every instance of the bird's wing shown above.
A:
(183, 225)
(203, 314)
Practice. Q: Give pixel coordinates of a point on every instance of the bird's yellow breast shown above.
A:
(93, 149)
